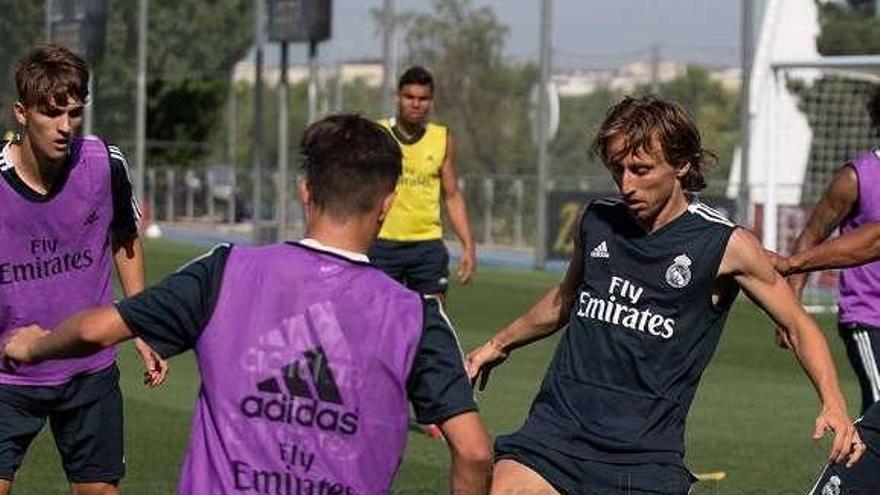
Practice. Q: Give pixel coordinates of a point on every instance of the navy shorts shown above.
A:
(862, 348)
(574, 476)
(861, 479)
(423, 266)
(85, 415)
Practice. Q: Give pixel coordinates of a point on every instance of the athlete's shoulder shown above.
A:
(386, 122)
(608, 205)
(703, 213)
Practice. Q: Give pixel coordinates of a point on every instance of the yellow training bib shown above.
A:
(415, 214)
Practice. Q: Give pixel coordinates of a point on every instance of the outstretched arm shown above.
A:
(548, 314)
(80, 335)
(456, 210)
(858, 247)
(746, 262)
(838, 201)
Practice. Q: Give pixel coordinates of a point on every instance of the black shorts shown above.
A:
(423, 266)
(861, 479)
(574, 476)
(85, 415)
(862, 348)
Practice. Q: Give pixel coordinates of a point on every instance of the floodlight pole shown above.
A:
(140, 125)
(313, 81)
(48, 9)
(257, 150)
(746, 41)
(543, 124)
(282, 146)
(389, 57)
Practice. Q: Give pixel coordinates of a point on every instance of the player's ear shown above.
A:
(683, 170)
(302, 186)
(20, 113)
(386, 205)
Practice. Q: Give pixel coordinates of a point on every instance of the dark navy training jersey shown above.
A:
(642, 330)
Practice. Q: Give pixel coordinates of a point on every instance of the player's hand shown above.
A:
(480, 361)
(155, 368)
(19, 346)
(467, 265)
(847, 445)
(781, 263)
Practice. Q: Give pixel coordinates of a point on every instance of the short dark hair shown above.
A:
(351, 163)
(49, 75)
(639, 121)
(416, 75)
(873, 107)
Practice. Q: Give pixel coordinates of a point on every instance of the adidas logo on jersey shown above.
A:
(600, 251)
(314, 403)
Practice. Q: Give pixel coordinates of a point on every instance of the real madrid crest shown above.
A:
(832, 487)
(678, 274)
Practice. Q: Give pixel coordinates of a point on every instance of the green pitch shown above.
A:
(752, 418)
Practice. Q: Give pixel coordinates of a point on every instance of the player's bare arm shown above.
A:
(456, 209)
(745, 261)
(545, 317)
(857, 247)
(471, 453)
(838, 200)
(128, 258)
(80, 335)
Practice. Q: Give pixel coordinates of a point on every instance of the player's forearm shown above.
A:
(813, 354)
(128, 256)
(538, 322)
(82, 334)
(458, 218)
(860, 246)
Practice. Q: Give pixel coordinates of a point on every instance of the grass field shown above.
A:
(752, 417)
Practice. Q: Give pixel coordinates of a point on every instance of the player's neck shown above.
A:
(353, 236)
(409, 130)
(674, 207)
(36, 171)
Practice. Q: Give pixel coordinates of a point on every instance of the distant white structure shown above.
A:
(370, 72)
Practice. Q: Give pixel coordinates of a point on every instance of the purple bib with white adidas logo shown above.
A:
(860, 285)
(304, 366)
(55, 259)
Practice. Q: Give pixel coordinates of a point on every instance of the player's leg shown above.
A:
(20, 422)
(88, 433)
(386, 255)
(861, 350)
(428, 270)
(512, 478)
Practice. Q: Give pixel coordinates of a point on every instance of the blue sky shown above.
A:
(586, 33)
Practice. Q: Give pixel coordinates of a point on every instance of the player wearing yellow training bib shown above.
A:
(410, 246)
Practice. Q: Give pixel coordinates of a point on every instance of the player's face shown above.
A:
(414, 103)
(646, 180)
(49, 130)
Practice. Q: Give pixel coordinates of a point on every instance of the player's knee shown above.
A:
(94, 489)
(477, 453)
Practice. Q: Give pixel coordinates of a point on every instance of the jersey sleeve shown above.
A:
(126, 212)
(438, 385)
(171, 315)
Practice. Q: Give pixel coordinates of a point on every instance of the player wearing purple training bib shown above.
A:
(67, 215)
(851, 200)
(308, 354)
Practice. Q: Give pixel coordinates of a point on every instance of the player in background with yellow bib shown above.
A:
(410, 246)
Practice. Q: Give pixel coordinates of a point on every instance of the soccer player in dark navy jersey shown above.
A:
(308, 354)
(643, 303)
(67, 215)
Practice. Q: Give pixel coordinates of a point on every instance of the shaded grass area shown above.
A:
(752, 418)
